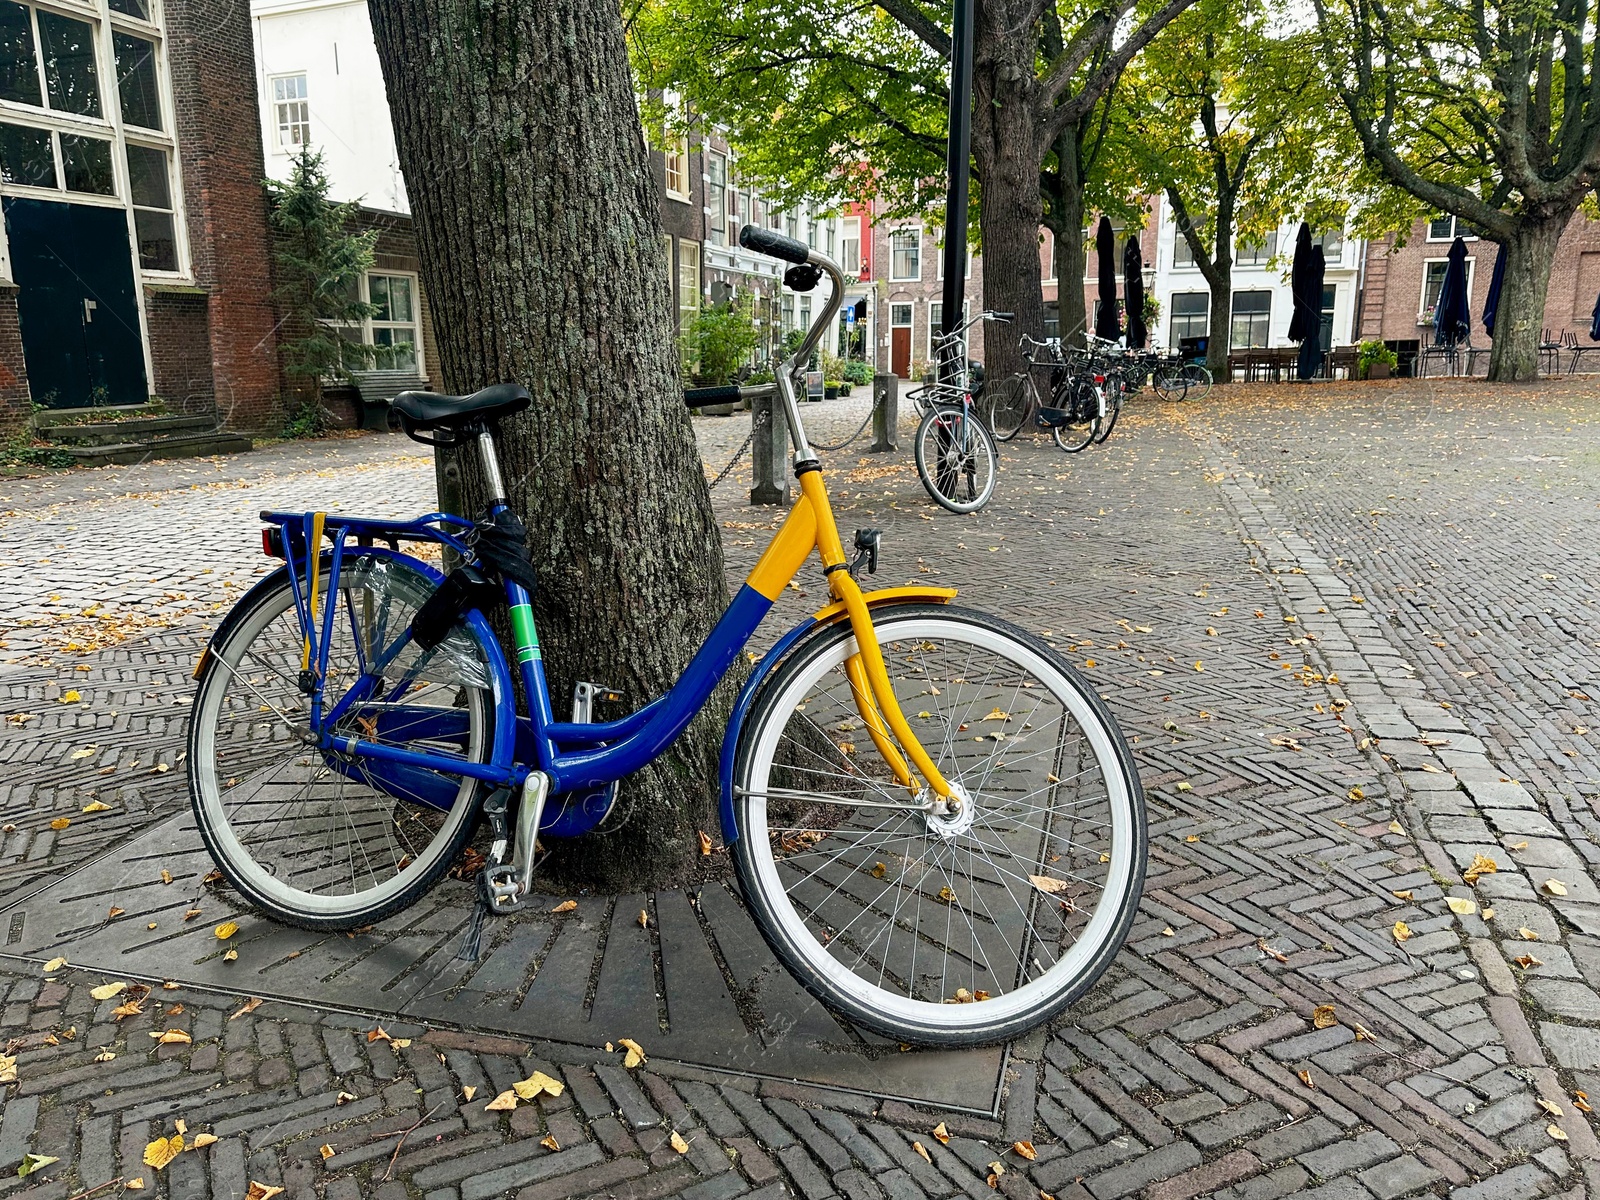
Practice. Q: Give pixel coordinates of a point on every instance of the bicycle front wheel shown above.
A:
(1113, 411)
(956, 459)
(946, 928)
(1009, 402)
(1170, 385)
(317, 838)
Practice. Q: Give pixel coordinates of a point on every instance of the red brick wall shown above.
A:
(15, 405)
(180, 348)
(1394, 283)
(218, 124)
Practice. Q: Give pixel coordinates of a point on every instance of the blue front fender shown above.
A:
(741, 708)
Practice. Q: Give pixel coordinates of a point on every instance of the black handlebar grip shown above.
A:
(773, 244)
(1000, 316)
(704, 396)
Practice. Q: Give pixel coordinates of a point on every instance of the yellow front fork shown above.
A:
(869, 677)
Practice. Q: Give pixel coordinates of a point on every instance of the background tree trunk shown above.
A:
(1519, 322)
(1071, 258)
(1010, 208)
(1220, 330)
(538, 231)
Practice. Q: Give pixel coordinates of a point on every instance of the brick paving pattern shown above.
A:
(1347, 630)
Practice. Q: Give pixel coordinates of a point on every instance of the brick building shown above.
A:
(908, 256)
(1402, 283)
(135, 257)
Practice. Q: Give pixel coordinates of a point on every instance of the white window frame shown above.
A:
(688, 271)
(1233, 317)
(1172, 315)
(1455, 229)
(1424, 313)
(716, 205)
(675, 146)
(850, 246)
(366, 325)
(279, 146)
(1260, 254)
(916, 232)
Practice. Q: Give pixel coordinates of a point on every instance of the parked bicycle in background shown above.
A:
(956, 456)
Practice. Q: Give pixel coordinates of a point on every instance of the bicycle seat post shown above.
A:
(491, 467)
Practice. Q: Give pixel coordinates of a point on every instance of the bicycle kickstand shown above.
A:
(505, 886)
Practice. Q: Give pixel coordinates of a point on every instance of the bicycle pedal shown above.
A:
(500, 889)
(584, 694)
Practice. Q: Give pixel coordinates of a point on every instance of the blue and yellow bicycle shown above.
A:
(934, 820)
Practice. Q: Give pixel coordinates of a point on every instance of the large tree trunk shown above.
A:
(1006, 150)
(1519, 321)
(1071, 258)
(1220, 331)
(538, 228)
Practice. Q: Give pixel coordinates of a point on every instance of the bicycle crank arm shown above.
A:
(506, 885)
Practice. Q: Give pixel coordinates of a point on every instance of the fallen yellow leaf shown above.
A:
(635, 1054)
(536, 1083)
(504, 1102)
(107, 990)
(548, 1141)
(1405, 895)
(1461, 906)
(1401, 931)
(1556, 1132)
(172, 1037)
(202, 1140)
(1045, 884)
(1527, 935)
(1026, 1150)
(677, 1142)
(1324, 1016)
(163, 1150)
(1553, 887)
(923, 1150)
(55, 964)
(262, 1191)
(565, 906)
(96, 806)
(943, 1134)
(8, 1068)
(60, 823)
(705, 842)
(1553, 1109)
(468, 1091)
(70, 696)
(226, 930)
(1481, 866)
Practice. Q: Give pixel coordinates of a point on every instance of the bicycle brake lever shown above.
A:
(867, 541)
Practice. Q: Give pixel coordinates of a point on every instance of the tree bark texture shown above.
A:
(1519, 321)
(538, 229)
(1071, 258)
(1007, 154)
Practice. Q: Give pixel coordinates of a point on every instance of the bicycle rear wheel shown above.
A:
(316, 838)
(1009, 402)
(956, 459)
(1114, 394)
(1170, 384)
(952, 928)
(1197, 381)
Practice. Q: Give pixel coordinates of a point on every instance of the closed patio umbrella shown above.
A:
(1452, 319)
(1594, 326)
(1310, 360)
(1133, 293)
(1491, 303)
(1299, 318)
(1107, 323)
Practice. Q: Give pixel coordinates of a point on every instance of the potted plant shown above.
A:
(716, 343)
(1374, 360)
(830, 389)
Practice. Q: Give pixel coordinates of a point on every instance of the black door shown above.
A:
(76, 303)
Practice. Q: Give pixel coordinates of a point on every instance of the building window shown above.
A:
(1190, 313)
(19, 70)
(805, 310)
(791, 225)
(1330, 296)
(1052, 319)
(27, 156)
(1332, 243)
(830, 236)
(1447, 229)
(677, 156)
(136, 80)
(1182, 252)
(1252, 317)
(1433, 281)
(738, 213)
(1255, 254)
(717, 196)
(150, 183)
(67, 49)
(394, 324)
(688, 282)
(786, 318)
(905, 254)
(900, 314)
(850, 252)
(935, 322)
(293, 111)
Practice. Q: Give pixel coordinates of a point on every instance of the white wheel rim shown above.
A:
(1036, 993)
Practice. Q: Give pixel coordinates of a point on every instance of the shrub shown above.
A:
(718, 341)
(1373, 351)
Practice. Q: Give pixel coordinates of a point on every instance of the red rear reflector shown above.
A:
(1099, 378)
(266, 543)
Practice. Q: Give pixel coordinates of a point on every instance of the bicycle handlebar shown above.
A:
(774, 244)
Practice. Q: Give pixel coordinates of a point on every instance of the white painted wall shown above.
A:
(1343, 274)
(331, 42)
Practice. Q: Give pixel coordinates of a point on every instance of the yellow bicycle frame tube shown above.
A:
(810, 524)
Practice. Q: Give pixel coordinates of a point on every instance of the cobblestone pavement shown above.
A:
(1348, 630)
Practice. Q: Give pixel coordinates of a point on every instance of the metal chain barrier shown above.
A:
(734, 461)
(860, 429)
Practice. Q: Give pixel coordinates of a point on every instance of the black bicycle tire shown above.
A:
(923, 473)
(1001, 394)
